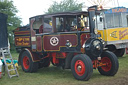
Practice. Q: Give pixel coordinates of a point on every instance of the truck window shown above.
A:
(113, 20)
(124, 19)
(109, 20)
(59, 24)
(66, 24)
(47, 25)
(117, 20)
(71, 23)
(99, 22)
(36, 25)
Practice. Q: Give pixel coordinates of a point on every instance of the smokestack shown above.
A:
(92, 18)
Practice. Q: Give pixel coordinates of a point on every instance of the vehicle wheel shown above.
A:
(27, 64)
(81, 66)
(44, 63)
(111, 61)
(119, 52)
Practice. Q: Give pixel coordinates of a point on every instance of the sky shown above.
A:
(30, 8)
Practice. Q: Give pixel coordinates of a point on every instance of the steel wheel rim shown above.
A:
(79, 67)
(108, 63)
(26, 62)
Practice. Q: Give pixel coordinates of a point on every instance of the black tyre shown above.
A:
(119, 52)
(27, 64)
(81, 66)
(111, 61)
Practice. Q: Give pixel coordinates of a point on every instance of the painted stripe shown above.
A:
(117, 42)
(22, 33)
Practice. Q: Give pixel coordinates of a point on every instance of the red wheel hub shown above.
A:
(26, 62)
(108, 63)
(79, 67)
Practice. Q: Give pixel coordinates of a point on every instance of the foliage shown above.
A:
(13, 21)
(65, 5)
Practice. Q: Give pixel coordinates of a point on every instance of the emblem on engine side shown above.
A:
(54, 41)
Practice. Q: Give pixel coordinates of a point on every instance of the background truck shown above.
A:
(112, 24)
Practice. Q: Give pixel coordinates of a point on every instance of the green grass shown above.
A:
(57, 76)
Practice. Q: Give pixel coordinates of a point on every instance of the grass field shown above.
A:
(58, 76)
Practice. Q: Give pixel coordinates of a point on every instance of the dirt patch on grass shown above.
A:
(118, 81)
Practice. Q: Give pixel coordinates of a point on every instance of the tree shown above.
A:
(8, 8)
(65, 5)
(13, 21)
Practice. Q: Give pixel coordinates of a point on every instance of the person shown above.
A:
(1, 68)
(67, 28)
(81, 23)
(61, 27)
(41, 29)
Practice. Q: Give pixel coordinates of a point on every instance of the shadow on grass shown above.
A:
(59, 73)
(56, 72)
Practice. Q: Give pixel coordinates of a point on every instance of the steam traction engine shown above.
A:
(65, 40)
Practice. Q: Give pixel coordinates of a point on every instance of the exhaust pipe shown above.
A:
(92, 18)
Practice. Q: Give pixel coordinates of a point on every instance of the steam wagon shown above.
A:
(66, 39)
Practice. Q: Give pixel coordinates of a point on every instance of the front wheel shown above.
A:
(27, 64)
(111, 64)
(81, 66)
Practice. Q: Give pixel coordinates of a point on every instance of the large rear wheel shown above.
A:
(119, 52)
(81, 66)
(27, 64)
(111, 64)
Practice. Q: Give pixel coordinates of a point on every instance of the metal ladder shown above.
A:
(7, 55)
